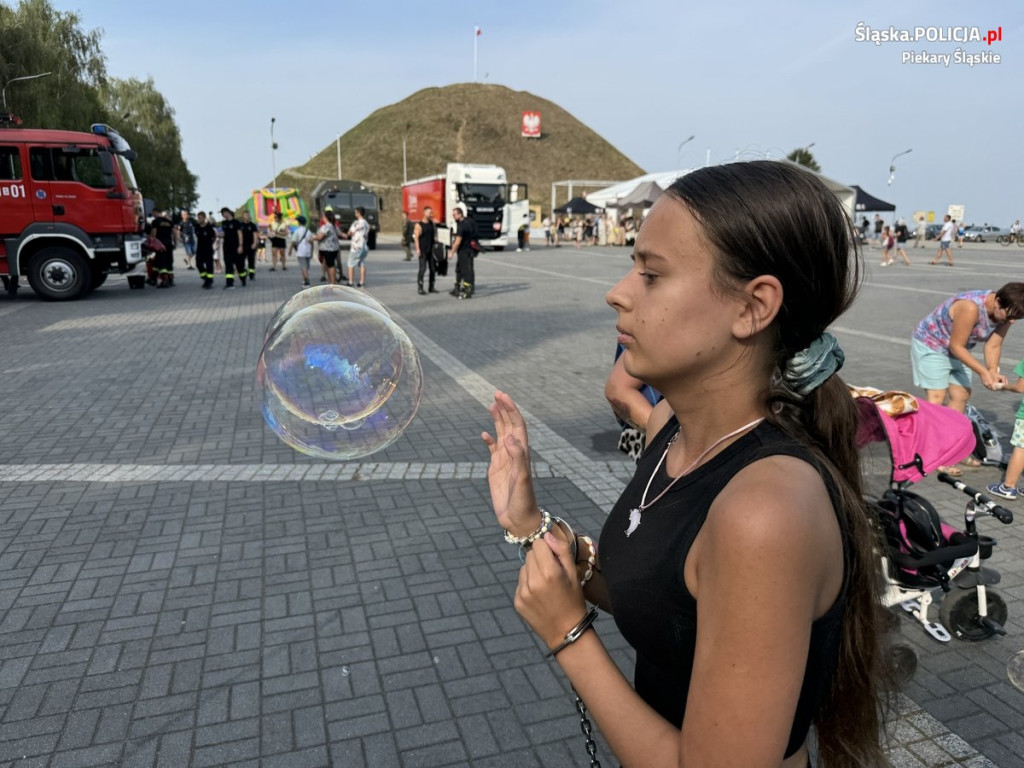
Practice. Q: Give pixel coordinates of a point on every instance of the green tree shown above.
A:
(36, 38)
(141, 114)
(803, 156)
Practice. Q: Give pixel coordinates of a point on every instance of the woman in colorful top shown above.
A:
(940, 349)
(738, 562)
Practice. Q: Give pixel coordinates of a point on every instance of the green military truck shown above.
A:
(344, 197)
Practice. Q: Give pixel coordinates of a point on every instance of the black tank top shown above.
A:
(426, 238)
(650, 602)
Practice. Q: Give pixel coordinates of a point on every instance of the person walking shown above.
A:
(714, 314)
(424, 237)
(945, 241)
(218, 266)
(206, 240)
(920, 233)
(302, 245)
(250, 242)
(162, 228)
(234, 257)
(186, 235)
(327, 237)
(278, 241)
(408, 228)
(359, 233)
(901, 239)
(888, 243)
(462, 247)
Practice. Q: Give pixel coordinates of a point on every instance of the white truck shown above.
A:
(497, 208)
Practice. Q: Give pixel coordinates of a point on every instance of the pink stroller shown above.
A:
(922, 553)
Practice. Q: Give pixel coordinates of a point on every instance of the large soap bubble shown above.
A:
(317, 295)
(339, 380)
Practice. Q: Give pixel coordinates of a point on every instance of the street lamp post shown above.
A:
(892, 164)
(273, 151)
(892, 172)
(15, 80)
(680, 147)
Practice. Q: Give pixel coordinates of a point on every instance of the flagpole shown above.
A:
(476, 34)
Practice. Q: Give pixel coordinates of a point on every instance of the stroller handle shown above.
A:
(1002, 514)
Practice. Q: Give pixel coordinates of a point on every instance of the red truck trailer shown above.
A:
(425, 193)
(70, 209)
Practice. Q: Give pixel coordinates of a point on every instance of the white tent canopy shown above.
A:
(605, 198)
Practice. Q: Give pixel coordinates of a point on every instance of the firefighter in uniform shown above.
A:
(250, 242)
(162, 228)
(234, 258)
(206, 239)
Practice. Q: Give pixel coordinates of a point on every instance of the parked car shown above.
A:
(984, 233)
(932, 231)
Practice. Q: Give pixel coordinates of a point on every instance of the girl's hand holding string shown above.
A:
(549, 596)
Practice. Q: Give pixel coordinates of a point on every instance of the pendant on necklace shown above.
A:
(634, 521)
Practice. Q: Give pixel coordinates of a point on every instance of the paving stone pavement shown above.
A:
(179, 588)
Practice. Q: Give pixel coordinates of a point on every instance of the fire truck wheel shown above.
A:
(371, 240)
(98, 279)
(59, 274)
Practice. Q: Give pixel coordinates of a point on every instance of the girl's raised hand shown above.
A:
(512, 496)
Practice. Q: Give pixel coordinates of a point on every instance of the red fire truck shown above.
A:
(70, 209)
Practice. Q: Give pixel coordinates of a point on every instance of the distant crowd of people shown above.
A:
(590, 229)
(234, 246)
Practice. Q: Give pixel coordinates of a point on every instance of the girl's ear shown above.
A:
(763, 300)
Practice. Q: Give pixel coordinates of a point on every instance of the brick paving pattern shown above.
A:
(179, 588)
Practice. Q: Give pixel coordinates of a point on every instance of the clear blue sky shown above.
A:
(744, 77)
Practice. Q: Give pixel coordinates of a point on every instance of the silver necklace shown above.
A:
(636, 512)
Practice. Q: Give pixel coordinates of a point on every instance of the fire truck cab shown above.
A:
(70, 209)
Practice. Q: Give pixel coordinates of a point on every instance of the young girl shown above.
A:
(738, 562)
(888, 243)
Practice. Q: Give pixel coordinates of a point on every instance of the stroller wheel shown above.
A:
(959, 613)
(902, 666)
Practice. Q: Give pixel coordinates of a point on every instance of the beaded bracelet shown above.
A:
(575, 633)
(544, 527)
(591, 560)
(570, 537)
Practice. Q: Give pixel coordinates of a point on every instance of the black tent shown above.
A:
(866, 202)
(577, 205)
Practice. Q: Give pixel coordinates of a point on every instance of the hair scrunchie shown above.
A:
(808, 368)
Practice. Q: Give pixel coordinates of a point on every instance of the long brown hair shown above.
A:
(774, 218)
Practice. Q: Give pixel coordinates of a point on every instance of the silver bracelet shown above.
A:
(575, 633)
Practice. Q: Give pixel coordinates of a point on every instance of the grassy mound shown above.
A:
(469, 123)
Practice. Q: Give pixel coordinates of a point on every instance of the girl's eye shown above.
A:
(648, 277)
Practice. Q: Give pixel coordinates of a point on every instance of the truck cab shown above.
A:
(484, 190)
(344, 197)
(72, 210)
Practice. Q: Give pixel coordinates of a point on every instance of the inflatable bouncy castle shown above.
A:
(264, 203)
